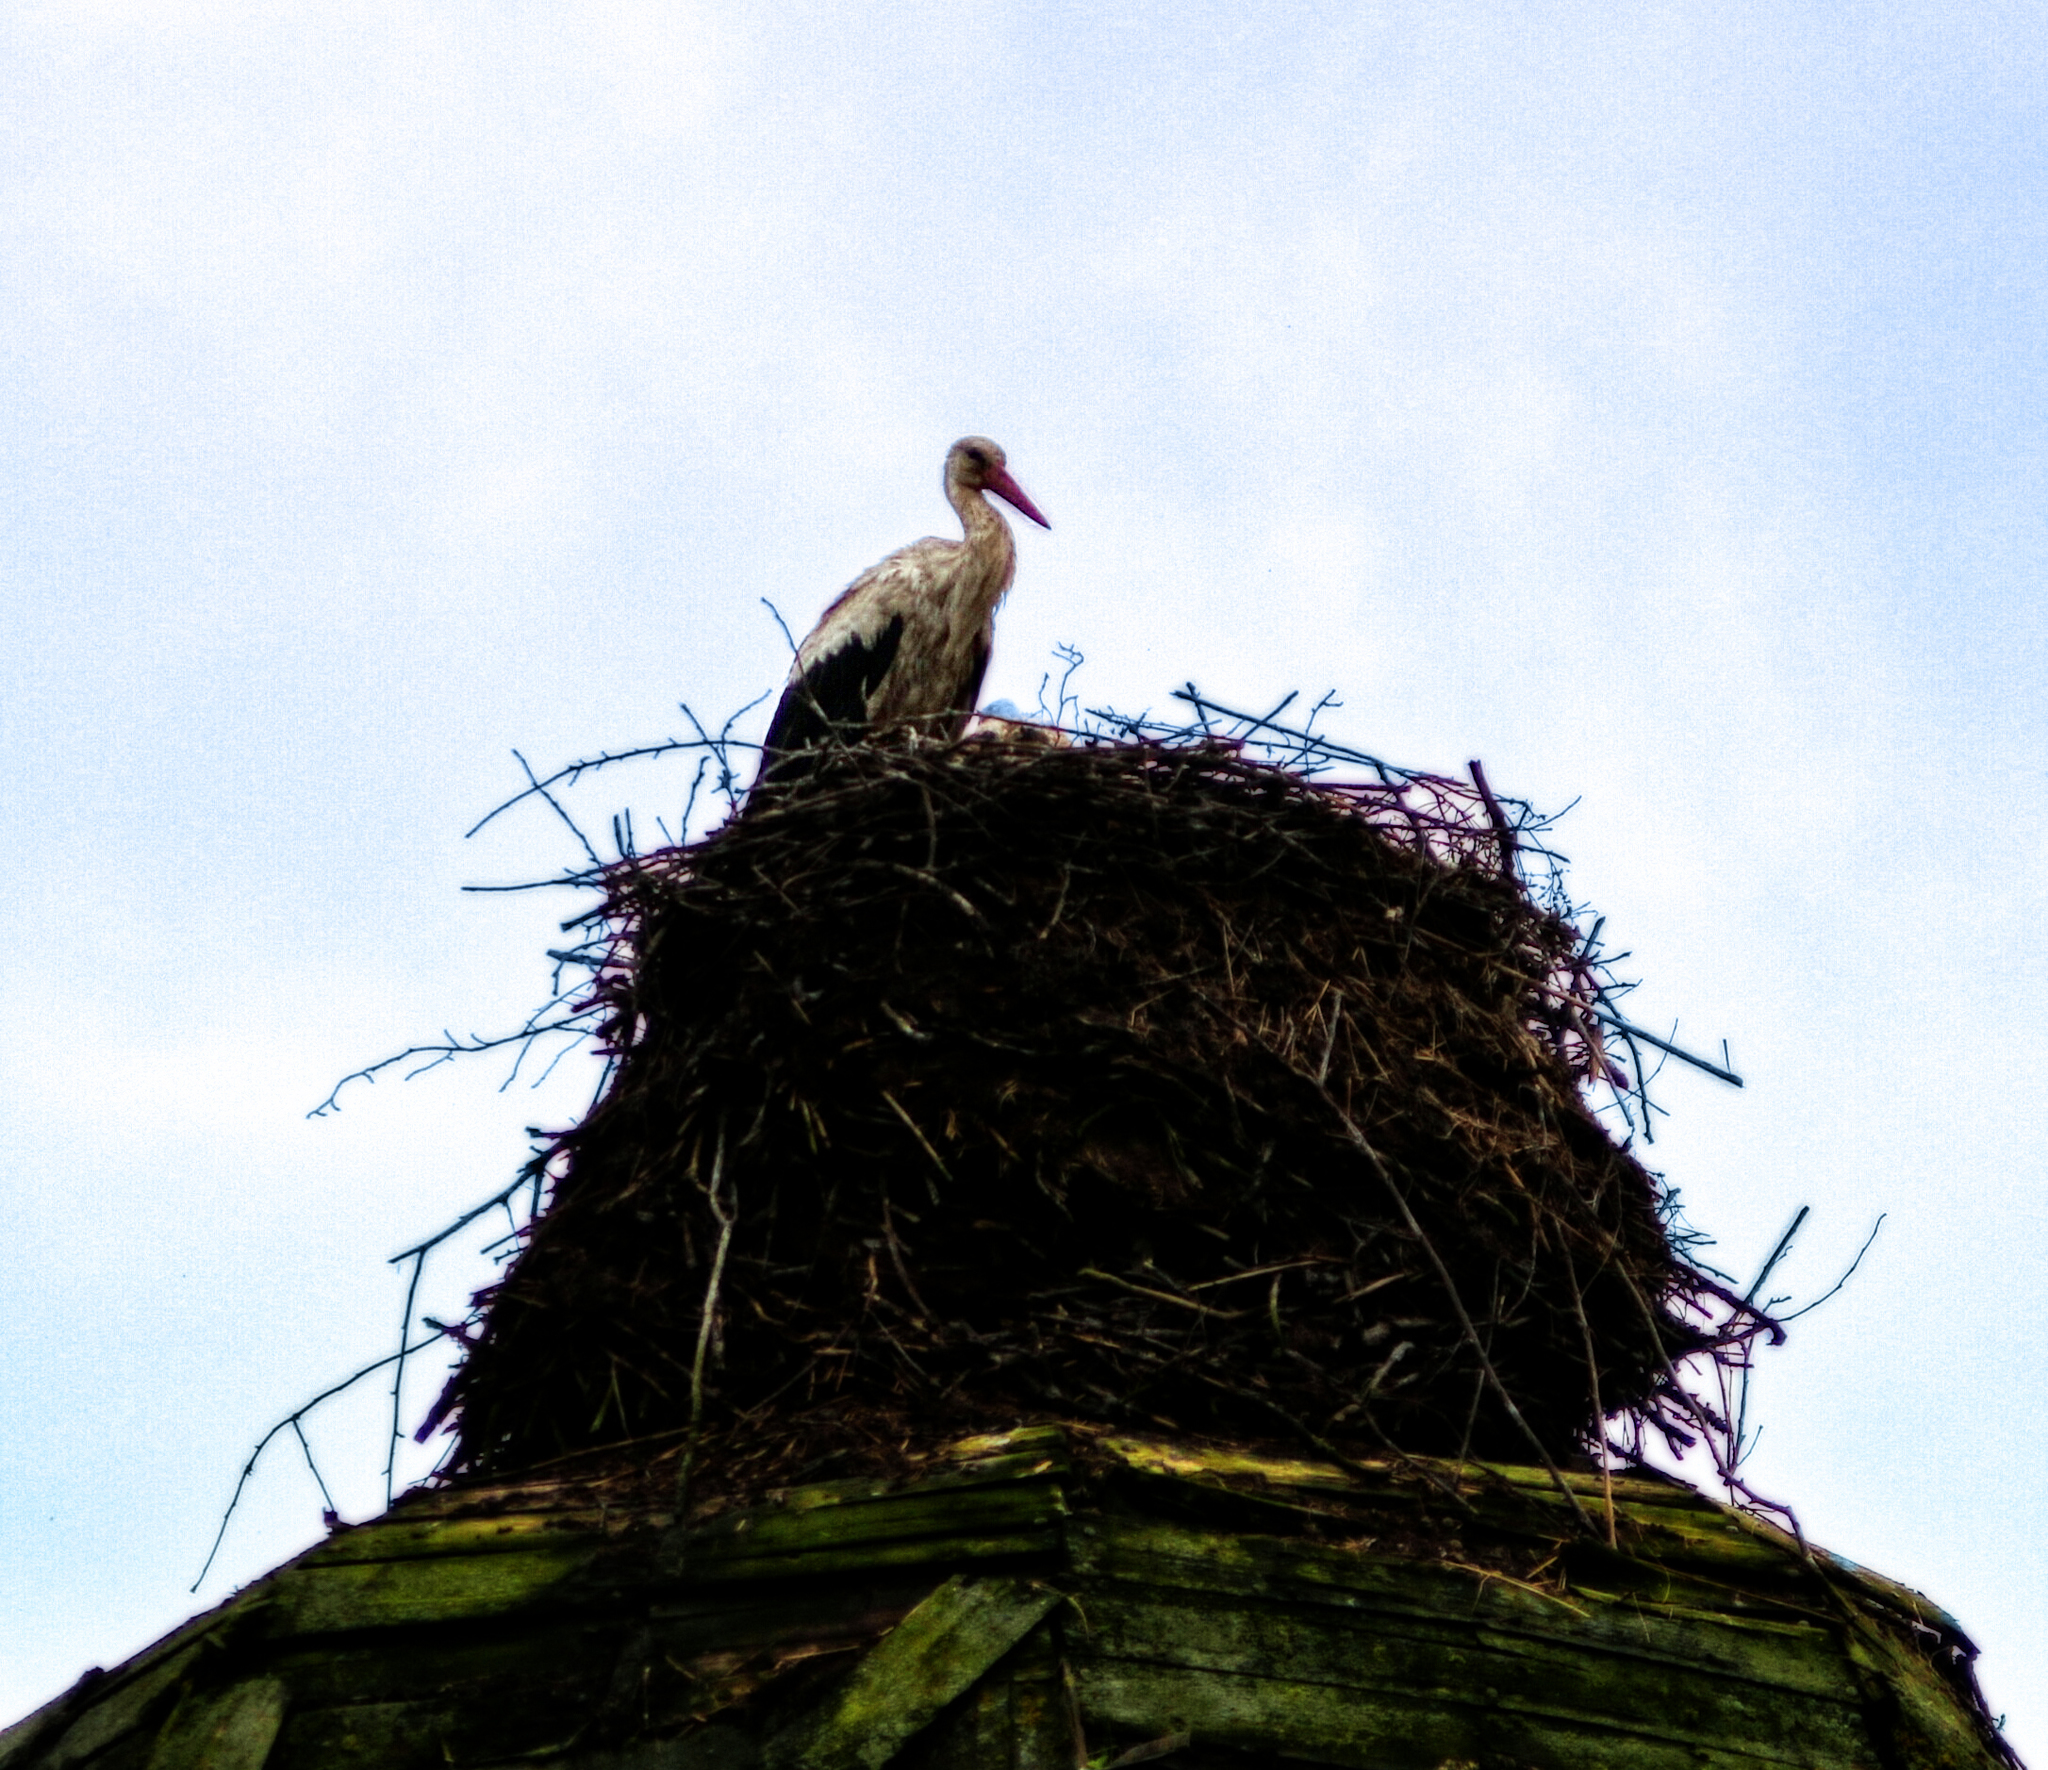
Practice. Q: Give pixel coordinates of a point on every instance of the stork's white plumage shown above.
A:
(908, 641)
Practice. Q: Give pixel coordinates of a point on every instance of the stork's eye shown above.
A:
(977, 457)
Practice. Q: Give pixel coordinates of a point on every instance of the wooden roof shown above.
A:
(1046, 1597)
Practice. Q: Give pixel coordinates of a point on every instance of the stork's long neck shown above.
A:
(988, 540)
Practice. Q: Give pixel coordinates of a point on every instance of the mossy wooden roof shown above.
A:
(1046, 1597)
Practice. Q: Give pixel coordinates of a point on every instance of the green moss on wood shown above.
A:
(924, 1663)
(316, 1598)
(226, 1729)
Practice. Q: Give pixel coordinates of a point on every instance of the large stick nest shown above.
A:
(1127, 1083)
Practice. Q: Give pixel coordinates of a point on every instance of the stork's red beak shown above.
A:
(1012, 493)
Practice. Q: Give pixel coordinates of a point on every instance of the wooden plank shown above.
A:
(319, 1599)
(1769, 1706)
(1717, 1542)
(1196, 1463)
(1045, 1730)
(757, 1617)
(1152, 1552)
(536, 1659)
(970, 1494)
(931, 1657)
(1019, 1716)
(508, 1534)
(974, 1733)
(1147, 1552)
(127, 1706)
(1668, 1525)
(1208, 1463)
(1138, 1561)
(1378, 1730)
(915, 1527)
(222, 1729)
(997, 1466)
(1044, 1440)
(881, 1557)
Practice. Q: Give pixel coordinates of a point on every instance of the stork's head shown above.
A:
(977, 465)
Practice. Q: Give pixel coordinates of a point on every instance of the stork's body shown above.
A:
(908, 641)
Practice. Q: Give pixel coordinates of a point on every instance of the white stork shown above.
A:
(908, 640)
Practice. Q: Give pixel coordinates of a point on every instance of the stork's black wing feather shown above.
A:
(971, 693)
(832, 695)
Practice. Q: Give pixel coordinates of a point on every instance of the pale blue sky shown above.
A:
(1650, 406)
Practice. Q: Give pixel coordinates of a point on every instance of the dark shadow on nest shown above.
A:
(1123, 1083)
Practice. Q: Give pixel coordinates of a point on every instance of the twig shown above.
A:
(448, 1050)
(896, 1256)
(726, 1213)
(1669, 1049)
(1209, 1284)
(1501, 827)
(1844, 1279)
(292, 1419)
(329, 1513)
(1124, 1284)
(923, 1142)
(788, 638)
(1777, 1253)
(529, 1176)
(572, 772)
(555, 805)
(1330, 1040)
(419, 1261)
(1521, 1585)
(1571, 1273)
